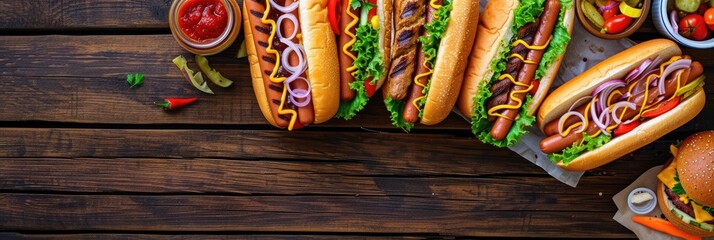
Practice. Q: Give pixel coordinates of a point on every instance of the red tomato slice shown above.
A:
(372, 11)
(334, 13)
(625, 128)
(535, 84)
(607, 14)
(662, 108)
(370, 88)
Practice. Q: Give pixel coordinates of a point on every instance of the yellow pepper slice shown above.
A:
(211, 73)
(630, 11)
(195, 79)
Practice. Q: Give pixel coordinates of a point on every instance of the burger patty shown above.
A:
(686, 208)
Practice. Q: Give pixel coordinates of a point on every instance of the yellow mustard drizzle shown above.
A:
(516, 55)
(270, 49)
(647, 84)
(586, 123)
(353, 39)
(492, 111)
(528, 46)
(430, 71)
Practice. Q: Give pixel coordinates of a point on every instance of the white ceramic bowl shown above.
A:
(660, 18)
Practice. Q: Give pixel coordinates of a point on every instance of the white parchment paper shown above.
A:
(624, 214)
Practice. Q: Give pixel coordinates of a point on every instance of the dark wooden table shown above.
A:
(84, 156)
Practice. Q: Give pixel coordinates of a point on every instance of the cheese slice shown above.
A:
(701, 215)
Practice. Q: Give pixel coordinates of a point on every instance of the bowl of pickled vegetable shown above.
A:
(689, 22)
(612, 19)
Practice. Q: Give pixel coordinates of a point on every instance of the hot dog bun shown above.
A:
(321, 52)
(451, 61)
(494, 28)
(384, 11)
(616, 67)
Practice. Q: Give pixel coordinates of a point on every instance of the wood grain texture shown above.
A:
(83, 79)
(83, 14)
(195, 236)
(292, 214)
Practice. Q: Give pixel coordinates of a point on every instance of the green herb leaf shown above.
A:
(677, 188)
(135, 79)
(369, 63)
(572, 152)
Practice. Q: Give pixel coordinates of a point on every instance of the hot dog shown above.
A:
(295, 77)
(365, 36)
(548, 19)
(510, 57)
(418, 59)
(660, 91)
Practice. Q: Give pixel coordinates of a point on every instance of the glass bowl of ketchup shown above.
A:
(205, 27)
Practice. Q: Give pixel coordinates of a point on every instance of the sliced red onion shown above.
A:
(279, 23)
(297, 49)
(305, 102)
(673, 19)
(636, 72)
(595, 117)
(579, 102)
(619, 105)
(607, 85)
(605, 121)
(608, 7)
(288, 9)
(296, 92)
(566, 116)
(676, 65)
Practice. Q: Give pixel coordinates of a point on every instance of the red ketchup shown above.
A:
(203, 20)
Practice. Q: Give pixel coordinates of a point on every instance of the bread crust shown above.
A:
(493, 29)
(320, 50)
(323, 71)
(384, 11)
(615, 67)
(451, 61)
(695, 166)
(662, 202)
(647, 132)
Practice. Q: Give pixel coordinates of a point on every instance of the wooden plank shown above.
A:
(131, 176)
(83, 14)
(198, 236)
(82, 79)
(30, 212)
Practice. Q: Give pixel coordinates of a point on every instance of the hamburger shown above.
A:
(685, 191)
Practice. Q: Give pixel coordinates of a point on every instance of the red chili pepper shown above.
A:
(369, 87)
(625, 128)
(535, 84)
(175, 103)
(662, 108)
(616, 24)
(372, 11)
(334, 14)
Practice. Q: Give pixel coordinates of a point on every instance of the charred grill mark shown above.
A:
(284, 117)
(262, 29)
(500, 87)
(263, 44)
(409, 9)
(275, 88)
(256, 13)
(268, 72)
(269, 59)
(259, 2)
(404, 38)
(399, 68)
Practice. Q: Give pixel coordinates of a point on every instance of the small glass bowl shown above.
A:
(643, 208)
(218, 44)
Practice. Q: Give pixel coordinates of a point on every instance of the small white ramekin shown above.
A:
(660, 18)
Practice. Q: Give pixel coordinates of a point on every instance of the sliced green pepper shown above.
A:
(211, 73)
(195, 79)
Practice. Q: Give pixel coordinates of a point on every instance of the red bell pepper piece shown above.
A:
(369, 87)
(625, 128)
(535, 84)
(373, 10)
(175, 103)
(334, 14)
(662, 108)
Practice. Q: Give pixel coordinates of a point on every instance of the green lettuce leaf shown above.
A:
(679, 190)
(395, 108)
(557, 45)
(430, 45)
(572, 152)
(525, 13)
(369, 64)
